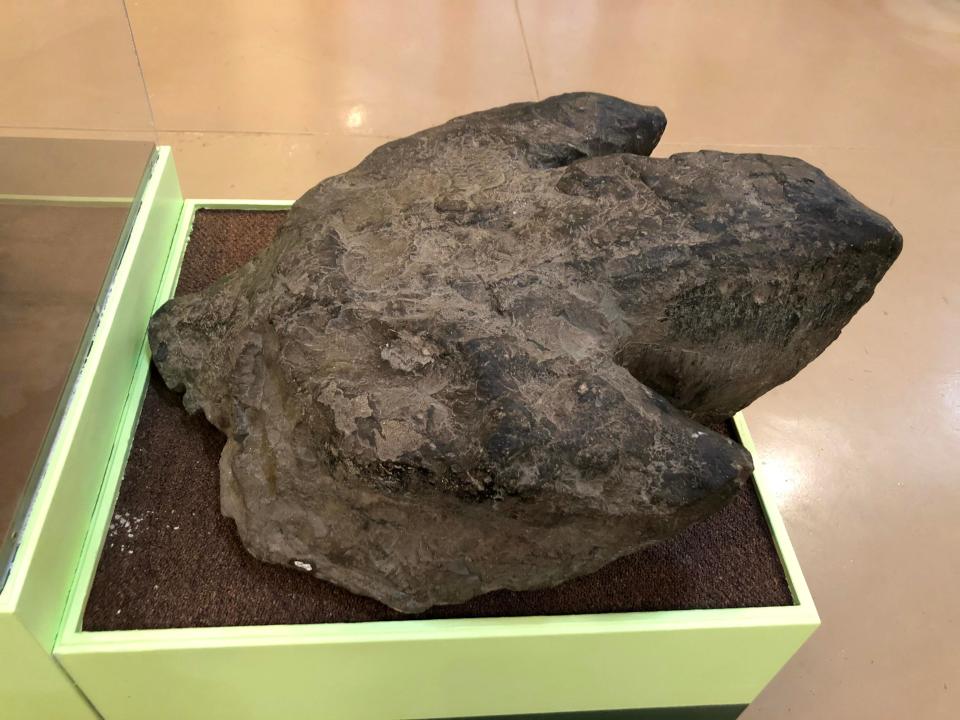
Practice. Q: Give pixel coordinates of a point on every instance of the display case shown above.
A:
(68, 212)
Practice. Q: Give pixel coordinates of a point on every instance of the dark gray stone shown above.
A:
(457, 367)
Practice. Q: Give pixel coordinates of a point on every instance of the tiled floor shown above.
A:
(265, 99)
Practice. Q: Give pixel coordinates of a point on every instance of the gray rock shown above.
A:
(456, 369)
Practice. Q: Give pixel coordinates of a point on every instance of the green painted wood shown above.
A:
(788, 558)
(32, 684)
(217, 204)
(535, 666)
(420, 668)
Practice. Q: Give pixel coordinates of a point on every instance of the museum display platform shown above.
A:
(167, 617)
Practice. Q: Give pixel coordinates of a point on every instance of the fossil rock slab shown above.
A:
(480, 359)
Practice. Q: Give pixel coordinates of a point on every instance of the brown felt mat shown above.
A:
(171, 560)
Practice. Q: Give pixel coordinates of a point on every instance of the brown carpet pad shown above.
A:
(172, 560)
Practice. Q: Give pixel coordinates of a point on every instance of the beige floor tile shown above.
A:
(857, 73)
(69, 65)
(236, 165)
(372, 68)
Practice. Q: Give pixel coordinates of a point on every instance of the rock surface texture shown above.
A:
(481, 358)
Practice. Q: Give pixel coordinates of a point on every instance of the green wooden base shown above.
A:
(674, 662)
(32, 683)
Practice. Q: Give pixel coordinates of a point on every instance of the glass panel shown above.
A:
(65, 207)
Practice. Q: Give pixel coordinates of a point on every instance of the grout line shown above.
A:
(136, 54)
(108, 131)
(526, 48)
(105, 201)
(321, 133)
(57, 128)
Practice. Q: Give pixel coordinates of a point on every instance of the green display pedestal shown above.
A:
(665, 664)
